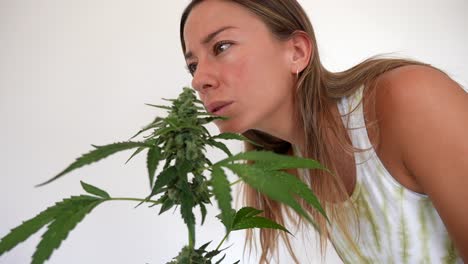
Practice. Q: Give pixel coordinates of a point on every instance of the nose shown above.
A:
(205, 77)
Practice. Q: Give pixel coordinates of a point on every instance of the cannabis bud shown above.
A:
(179, 141)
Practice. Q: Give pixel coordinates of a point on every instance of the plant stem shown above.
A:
(134, 199)
(222, 241)
(191, 240)
(235, 182)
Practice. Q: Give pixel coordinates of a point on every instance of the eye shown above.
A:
(191, 68)
(221, 46)
(217, 49)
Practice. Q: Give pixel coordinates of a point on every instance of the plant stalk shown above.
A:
(235, 182)
(222, 241)
(134, 199)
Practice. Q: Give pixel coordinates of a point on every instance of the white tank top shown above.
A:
(396, 225)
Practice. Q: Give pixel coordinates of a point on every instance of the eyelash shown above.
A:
(190, 67)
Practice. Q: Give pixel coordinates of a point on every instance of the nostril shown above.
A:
(201, 88)
(200, 85)
(206, 86)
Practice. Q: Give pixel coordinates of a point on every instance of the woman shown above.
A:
(392, 131)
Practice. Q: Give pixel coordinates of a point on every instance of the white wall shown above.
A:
(75, 73)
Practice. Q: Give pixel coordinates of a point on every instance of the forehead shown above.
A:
(210, 15)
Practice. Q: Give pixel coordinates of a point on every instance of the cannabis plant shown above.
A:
(187, 179)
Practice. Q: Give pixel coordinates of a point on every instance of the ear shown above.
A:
(300, 51)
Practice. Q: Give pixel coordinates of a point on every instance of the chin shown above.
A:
(227, 126)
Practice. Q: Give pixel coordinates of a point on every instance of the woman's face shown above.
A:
(235, 59)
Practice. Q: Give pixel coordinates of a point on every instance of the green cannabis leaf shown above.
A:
(247, 217)
(94, 190)
(154, 155)
(61, 219)
(266, 177)
(186, 179)
(275, 161)
(222, 192)
(99, 153)
(279, 186)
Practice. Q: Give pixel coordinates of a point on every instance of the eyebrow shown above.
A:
(208, 38)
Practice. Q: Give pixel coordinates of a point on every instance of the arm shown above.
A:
(429, 124)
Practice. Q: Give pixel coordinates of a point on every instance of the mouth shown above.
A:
(219, 108)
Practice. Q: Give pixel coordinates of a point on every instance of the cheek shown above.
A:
(236, 68)
(257, 82)
(266, 75)
(253, 78)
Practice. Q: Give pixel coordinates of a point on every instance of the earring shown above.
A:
(297, 73)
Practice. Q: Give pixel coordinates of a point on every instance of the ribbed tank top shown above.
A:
(396, 225)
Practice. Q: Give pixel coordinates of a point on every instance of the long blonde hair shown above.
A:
(316, 87)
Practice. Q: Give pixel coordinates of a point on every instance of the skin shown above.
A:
(263, 82)
(422, 117)
(422, 114)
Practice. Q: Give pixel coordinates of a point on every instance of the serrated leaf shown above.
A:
(170, 100)
(193, 128)
(219, 145)
(276, 161)
(163, 179)
(203, 212)
(168, 175)
(160, 106)
(140, 149)
(258, 222)
(206, 120)
(231, 136)
(164, 130)
(152, 161)
(183, 168)
(187, 204)
(279, 186)
(172, 122)
(222, 192)
(204, 246)
(94, 190)
(95, 155)
(212, 254)
(59, 229)
(219, 216)
(157, 122)
(221, 259)
(28, 228)
(245, 212)
(167, 204)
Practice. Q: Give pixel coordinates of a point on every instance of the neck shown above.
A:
(282, 125)
(290, 129)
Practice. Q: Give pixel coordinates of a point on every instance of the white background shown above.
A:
(76, 73)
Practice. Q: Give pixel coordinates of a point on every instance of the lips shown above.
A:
(217, 106)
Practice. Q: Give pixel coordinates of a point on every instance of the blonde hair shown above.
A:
(316, 88)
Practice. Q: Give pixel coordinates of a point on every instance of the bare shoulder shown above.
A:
(416, 108)
(417, 94)
(418, 81)
(423, 122)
